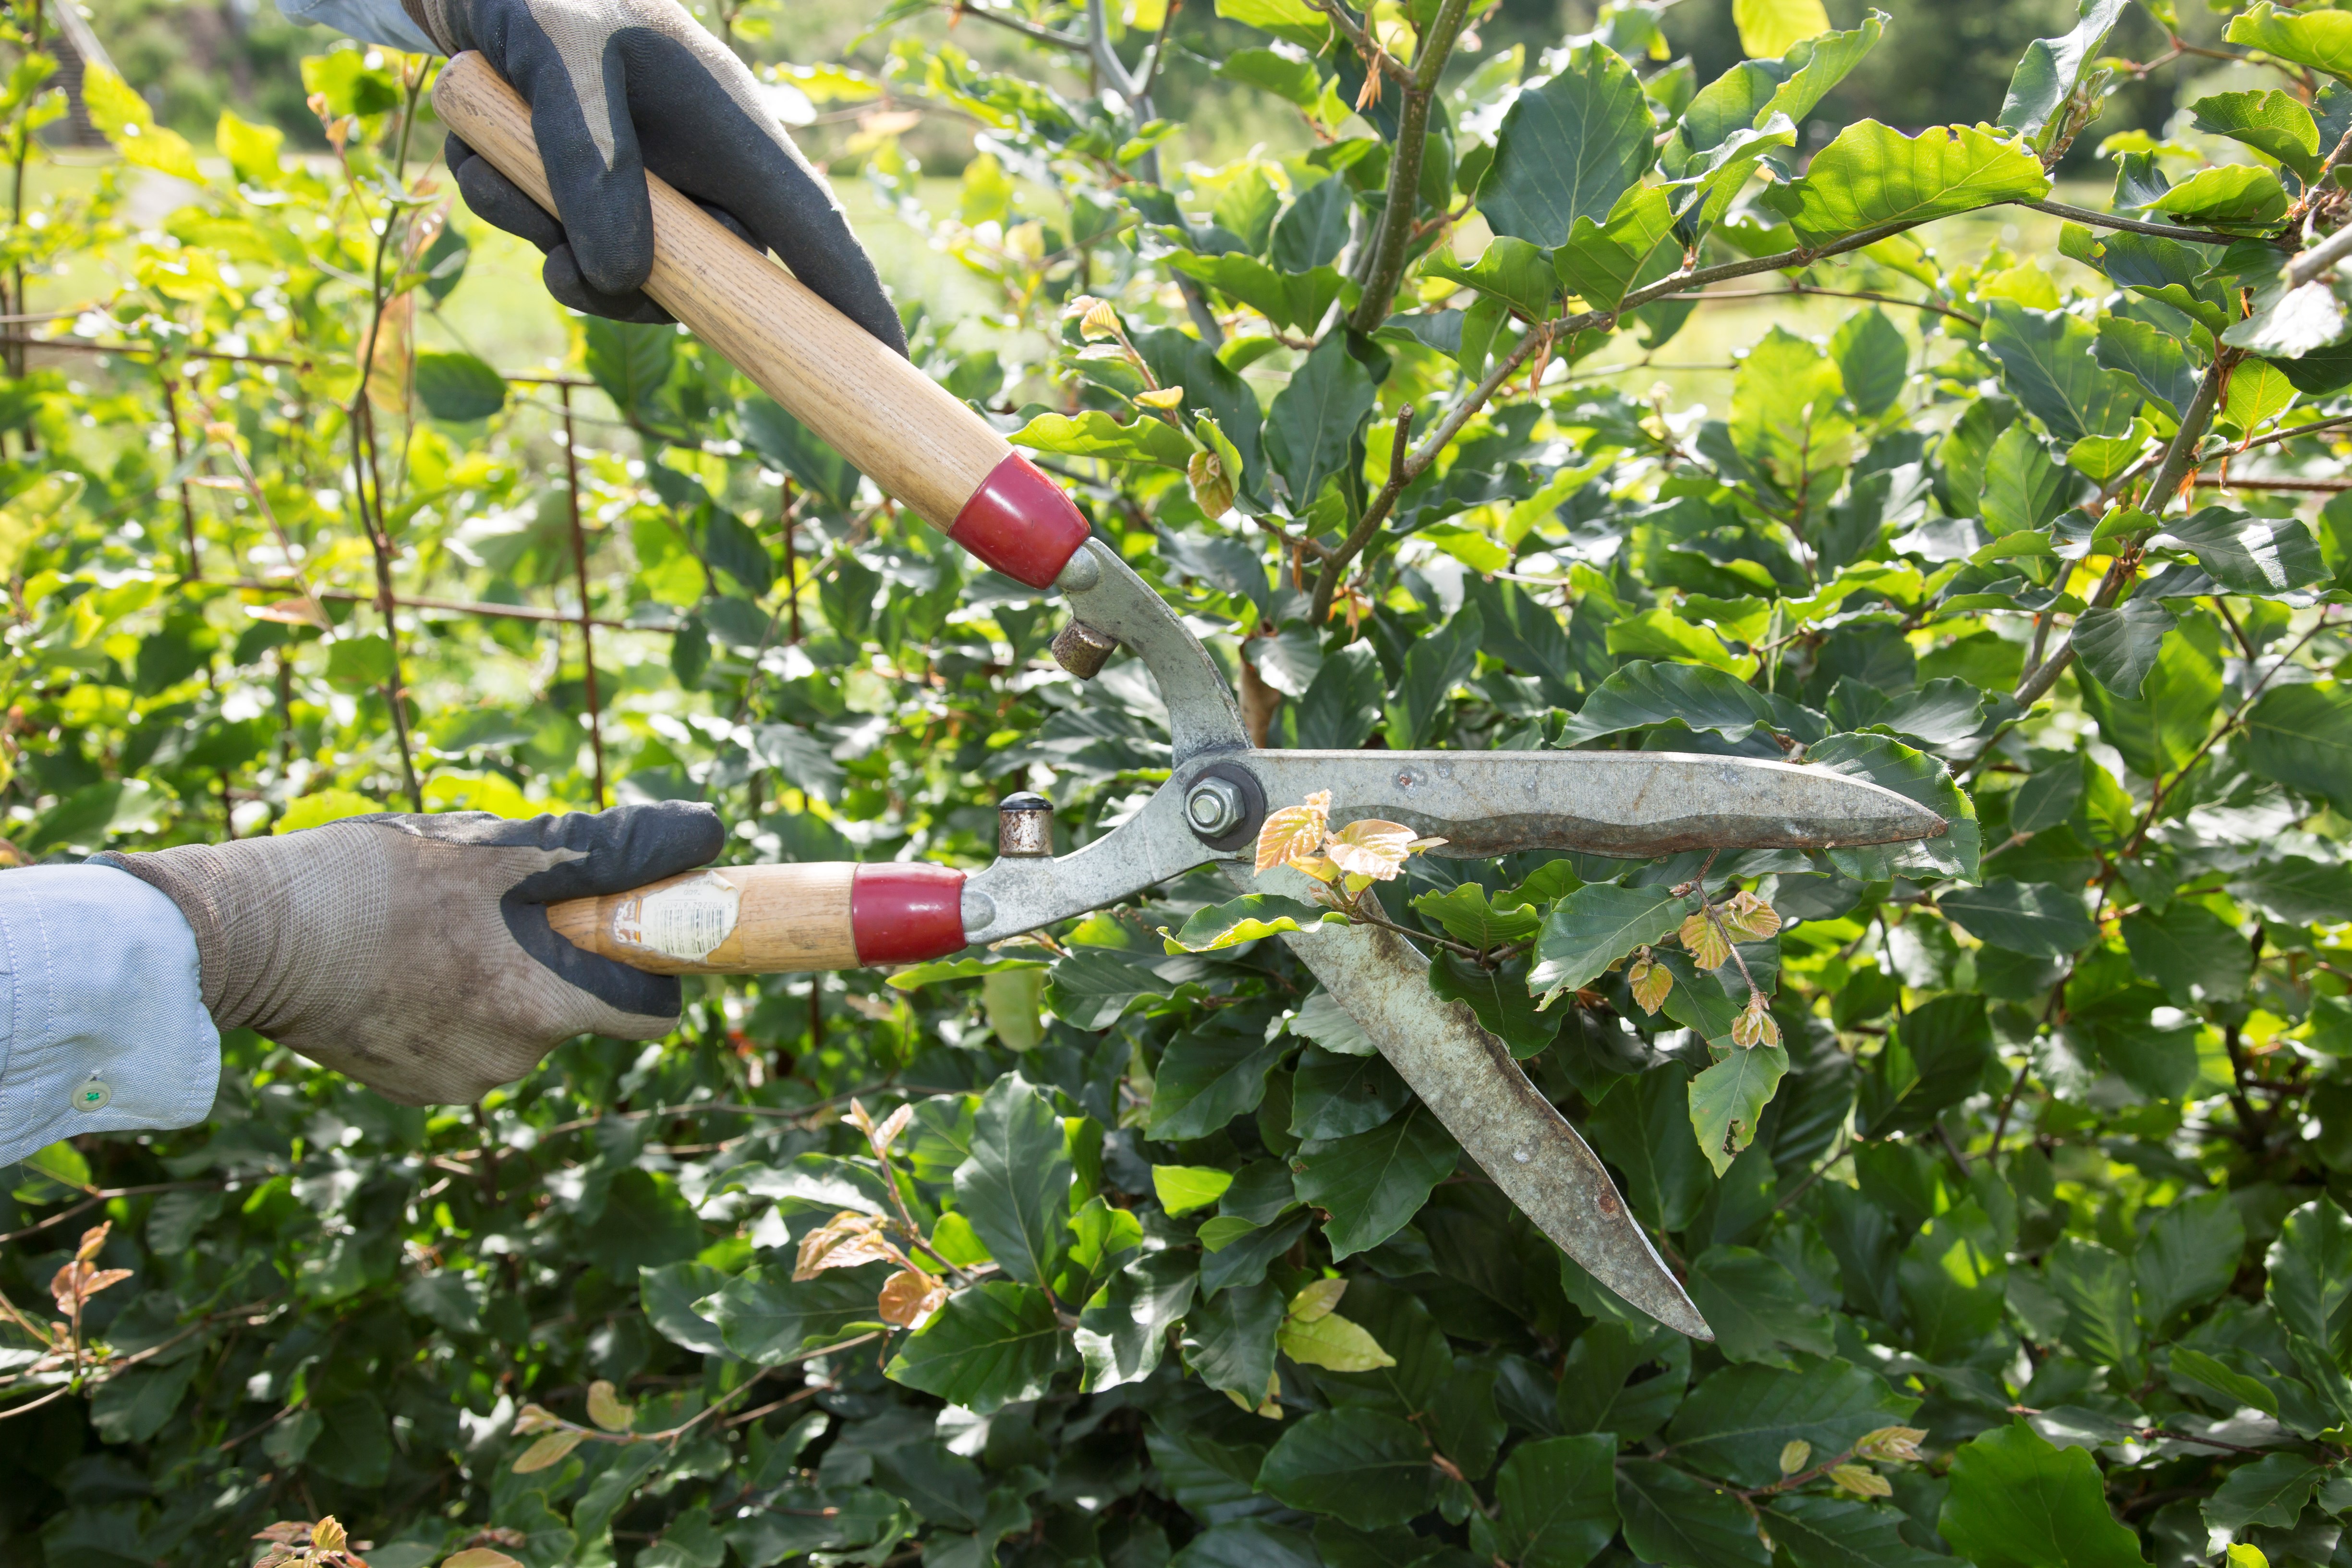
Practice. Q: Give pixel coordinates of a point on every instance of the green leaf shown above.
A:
(2300, 736)
(1183, 1188)
(1207, 1077)
(2182, 692)
(2152, 357)
(767, 1317)
(1750, 93)
(1246, 918)
(2031, 918)
(1557, 1501)
(1674, 1516)
(2016, 1500)
(2095, 1284)
(2270, 122)
(1839, 1532)
(1568, 149)
(1756, 1307)
(2119, 644)
(1726, 1100)
(1500, 997)
(358, 663)
(1737, 1421)
(1229, 1341)
(457, 386)
(1642, 1128)
(1873, 361)
(1371, 1184)
(2320, 39)
(1314, 421)
(1246, 1542)
(631, 361)
(2254, 555)
(1359, 1465)
(1294, 80)
(1468, 915)
(2052, 69)
(1294, 301)
(1594, 927)
(991, 1344)
(2047, 361)
(1014, 1189)
(2270, 1491)
(1335, 1096)
(1518, 274)
(1873, 174)
(1641, 693)
(1917, 776)
(1600, 258)
(1768, 28)
(2189, 951)
(1148, 438)
(2310, 1264)
(2189, 1257)
(1124, 1329)
(669, 1294)
(2293, 887)
(1932, 1061)
(1435, 665)
(2234, 195)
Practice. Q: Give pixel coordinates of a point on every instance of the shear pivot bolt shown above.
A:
(1082, 651)
(1215, 806)
(1024, 825)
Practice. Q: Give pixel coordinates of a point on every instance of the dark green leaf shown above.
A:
(1756, 1307)
(2310, 1266)
(1229, 1339)
(1736, 1422)
(1373, 1183)
(1314, 421)
(457, 386)
(1124, 1328)
(766, 1316)
(1208, 1077)
(1595, 926)
(1568, 149)
(1839, 1532)
(1014, 1189)
(2014, 1500)
(993, 1343)
(2300, 736)
(1559, 1501)
(1674, 1516)
(1360, 1466)
(2270, 1491)
(1334, 1095)
(2033, 917)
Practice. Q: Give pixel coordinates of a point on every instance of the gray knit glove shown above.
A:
(413, 952)
(618, 87)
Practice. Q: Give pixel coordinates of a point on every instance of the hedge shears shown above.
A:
(943, 461)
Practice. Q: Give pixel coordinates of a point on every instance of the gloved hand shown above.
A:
(616, 87)
(413, 952)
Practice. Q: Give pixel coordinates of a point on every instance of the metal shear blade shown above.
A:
(1482, 802)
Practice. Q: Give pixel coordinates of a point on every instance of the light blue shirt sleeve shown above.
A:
(102, 1020)
(368, 21)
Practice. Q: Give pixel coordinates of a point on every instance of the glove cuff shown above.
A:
(252, 916)
(433, 19)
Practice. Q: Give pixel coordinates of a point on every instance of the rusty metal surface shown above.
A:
(1468, 1079)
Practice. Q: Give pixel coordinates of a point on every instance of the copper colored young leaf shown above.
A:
(1755, 1027)
(94, 1241)
(1705, 942)
(1649, 981)
(1860, 1481)
(1750, 917)
(1371, 849)
(480, 1557)
(846, 1241)
(909, 1296)
(536, 1418)
(1294, 832)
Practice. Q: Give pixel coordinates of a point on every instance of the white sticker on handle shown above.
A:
(687, 922)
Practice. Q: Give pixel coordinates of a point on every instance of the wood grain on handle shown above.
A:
(772, 919)
(904, 430)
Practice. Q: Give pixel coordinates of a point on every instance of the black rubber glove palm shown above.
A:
(618, 87)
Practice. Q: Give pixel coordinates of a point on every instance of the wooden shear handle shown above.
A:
(773, 920)
(902, 429)
(908, 434)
